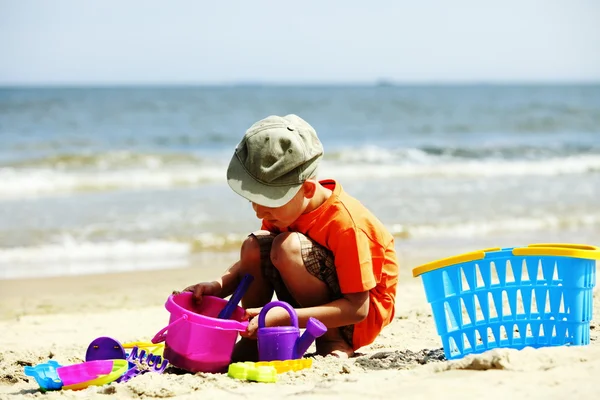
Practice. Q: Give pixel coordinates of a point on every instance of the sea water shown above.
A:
(97, 180)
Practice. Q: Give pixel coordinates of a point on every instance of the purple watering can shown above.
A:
(284, 342)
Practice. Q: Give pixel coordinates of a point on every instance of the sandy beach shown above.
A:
(58, 317)
(125, 125)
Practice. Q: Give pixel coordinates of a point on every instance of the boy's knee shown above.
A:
(250, 251)
(286, 248)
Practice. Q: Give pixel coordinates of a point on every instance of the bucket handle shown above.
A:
(161, 335)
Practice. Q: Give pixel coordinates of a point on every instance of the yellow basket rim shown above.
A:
(536, 249)
(559, 249)
(444, 262)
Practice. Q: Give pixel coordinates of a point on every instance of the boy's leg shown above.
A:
(258, 294)
(308, 273)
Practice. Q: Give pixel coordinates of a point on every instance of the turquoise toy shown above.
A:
(46, 375)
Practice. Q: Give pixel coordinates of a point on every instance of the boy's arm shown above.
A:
(349, 310)
(220, 287)
(352, 308)
(229, 280)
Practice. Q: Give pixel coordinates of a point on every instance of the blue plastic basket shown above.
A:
(535, 296)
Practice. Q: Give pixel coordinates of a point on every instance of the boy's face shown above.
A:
(284, 216)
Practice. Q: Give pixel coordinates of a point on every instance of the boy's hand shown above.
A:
(275, 317)
(252, 329)
(203, 289)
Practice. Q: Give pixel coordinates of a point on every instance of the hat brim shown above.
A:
(249, 188)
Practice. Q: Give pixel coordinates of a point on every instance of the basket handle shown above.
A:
(559, 249)
(161, 335)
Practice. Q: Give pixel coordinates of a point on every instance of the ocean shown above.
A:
(99, 180)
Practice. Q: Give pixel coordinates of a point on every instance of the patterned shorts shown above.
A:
(318, 261)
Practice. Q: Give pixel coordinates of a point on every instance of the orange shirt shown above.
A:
(365, 258)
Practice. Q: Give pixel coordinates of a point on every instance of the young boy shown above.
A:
(318, 249)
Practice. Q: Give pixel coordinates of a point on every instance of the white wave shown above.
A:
(71, 250)
(358, 164)
(495, 226)
(475, 168)
(210, 241)
(72, 257)
(86, 267)
(43, 182)
(103, 161)
(380, 155)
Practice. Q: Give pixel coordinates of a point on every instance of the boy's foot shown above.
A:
(336, 347)
(245, 350)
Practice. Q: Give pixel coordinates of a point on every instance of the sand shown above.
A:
(58, 317)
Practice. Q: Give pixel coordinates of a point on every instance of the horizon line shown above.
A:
(376, 83)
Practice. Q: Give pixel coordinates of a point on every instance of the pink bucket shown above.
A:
(195, 339)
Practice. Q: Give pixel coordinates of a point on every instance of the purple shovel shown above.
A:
(236, 297)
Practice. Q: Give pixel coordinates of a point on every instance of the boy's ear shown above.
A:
(310, 187)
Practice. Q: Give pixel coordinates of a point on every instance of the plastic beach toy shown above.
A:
(45, 375)
(539, 295)
(280, 366)
(285, 342)
(156, 349)
(141, 362)
(266, 371)
(252, 372)
(195, 339)
(287, 365)
(53, 376)
(104, 348)
(91, 373)
(236, 297)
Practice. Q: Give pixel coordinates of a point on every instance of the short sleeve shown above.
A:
(353, 261)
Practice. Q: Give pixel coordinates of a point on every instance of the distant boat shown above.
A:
(384, 83)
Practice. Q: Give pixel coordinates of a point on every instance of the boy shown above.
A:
(318, 249)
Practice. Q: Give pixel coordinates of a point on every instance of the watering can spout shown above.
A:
(314, 329)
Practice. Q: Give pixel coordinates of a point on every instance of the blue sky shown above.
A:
(310, 41)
